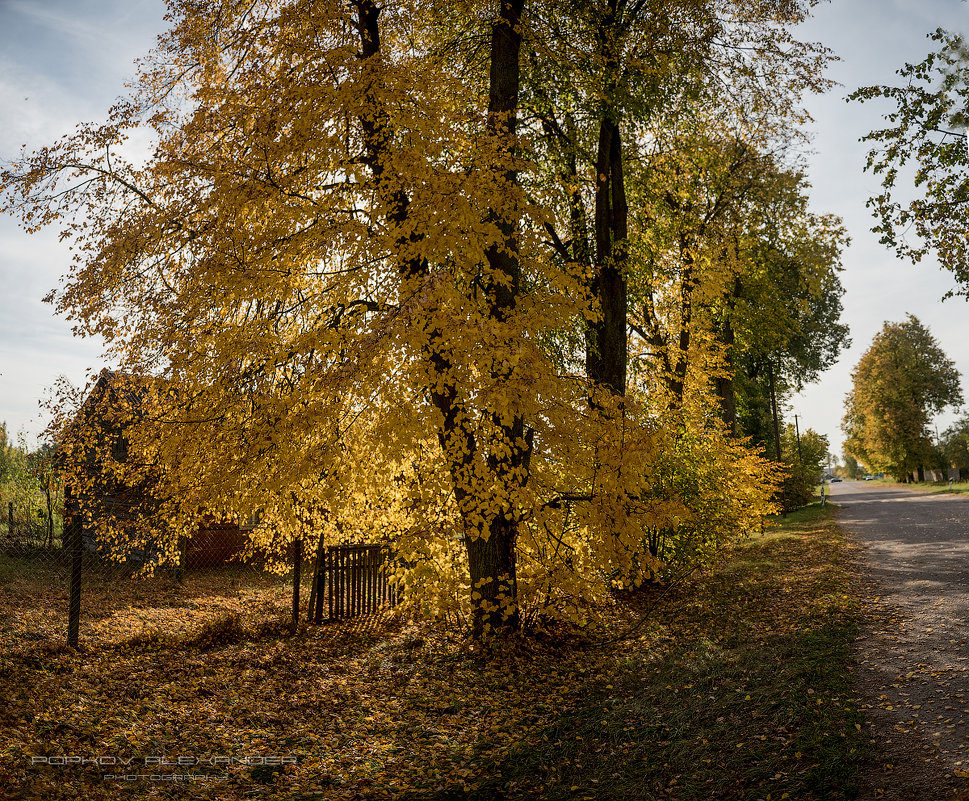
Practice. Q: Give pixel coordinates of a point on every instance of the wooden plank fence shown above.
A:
(352, 581)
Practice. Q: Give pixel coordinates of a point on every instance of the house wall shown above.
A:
(214, 544)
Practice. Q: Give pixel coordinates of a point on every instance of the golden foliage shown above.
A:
(332, 285)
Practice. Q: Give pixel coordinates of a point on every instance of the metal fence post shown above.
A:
(297, 574)
(75, 537)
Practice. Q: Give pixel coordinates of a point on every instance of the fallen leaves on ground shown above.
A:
(720, 693)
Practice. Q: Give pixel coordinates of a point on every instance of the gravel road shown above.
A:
(912, 667)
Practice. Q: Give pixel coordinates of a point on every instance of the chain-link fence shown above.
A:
(58, 585)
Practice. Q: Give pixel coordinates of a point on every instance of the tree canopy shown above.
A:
(385, 264)
(954, 445)
(900, 382)
(923, 160)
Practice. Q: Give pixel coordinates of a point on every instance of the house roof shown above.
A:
(114, 398)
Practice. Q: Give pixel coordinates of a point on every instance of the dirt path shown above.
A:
(912, 669)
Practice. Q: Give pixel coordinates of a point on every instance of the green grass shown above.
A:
(36, 567)
(957, 488)
(751, 698)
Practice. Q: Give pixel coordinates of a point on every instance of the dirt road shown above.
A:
(912, 672)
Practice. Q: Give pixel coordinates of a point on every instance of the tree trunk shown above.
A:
(490, 547)
(606, 346)
(74, 542)
(773, 406)
(491, 561)
(681, 361)
(494, 587)
(606, 349)
(297, 575)
(724, 384)
(316, 591)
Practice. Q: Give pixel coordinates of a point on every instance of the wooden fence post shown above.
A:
(315, 589)
(353, 579)
(324, 585)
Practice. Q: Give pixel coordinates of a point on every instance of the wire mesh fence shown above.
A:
(44, 567)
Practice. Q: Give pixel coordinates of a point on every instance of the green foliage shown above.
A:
(7, 455)
(852, 469)
(805, 465)
(900, 382)
(788, 304)
(29, 481)
(735, 273)
(719, 485)
(954, 444)
(927, 134)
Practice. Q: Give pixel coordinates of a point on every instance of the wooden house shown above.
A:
(104, 490)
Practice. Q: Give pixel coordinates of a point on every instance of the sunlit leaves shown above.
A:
(347, 291)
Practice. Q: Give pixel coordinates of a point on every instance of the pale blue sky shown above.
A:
(65, 61)
(61, 62)
(873, 38)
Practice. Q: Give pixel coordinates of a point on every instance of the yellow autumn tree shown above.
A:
(337, 283)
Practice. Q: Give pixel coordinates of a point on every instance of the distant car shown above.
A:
(836, 479)
(869, 478)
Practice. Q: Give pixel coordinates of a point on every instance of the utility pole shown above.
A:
(777, 428)
(773, 405)
(797, 433)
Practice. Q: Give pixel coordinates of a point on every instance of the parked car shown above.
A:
(869, 478)
(836, 479)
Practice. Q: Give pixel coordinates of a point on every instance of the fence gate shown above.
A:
(351, 580)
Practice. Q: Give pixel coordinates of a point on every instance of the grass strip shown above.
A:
(748, 697)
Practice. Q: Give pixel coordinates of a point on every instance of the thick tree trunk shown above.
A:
(606, 346)
(494, 587)
(606, 350)
(724, 387)
(490, 548)
(491, 561)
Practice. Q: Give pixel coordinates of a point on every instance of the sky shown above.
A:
(61, 62)
(65, 61)
(873, 39)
